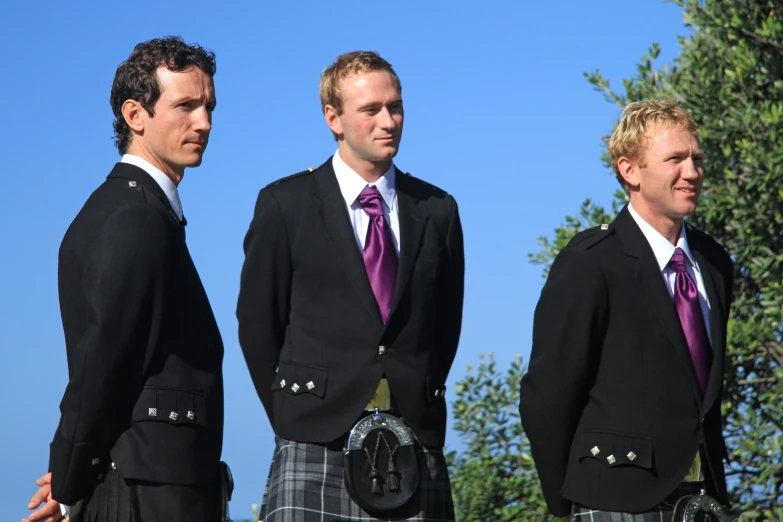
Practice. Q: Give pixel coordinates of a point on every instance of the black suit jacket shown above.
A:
(610, 368)
(307, 313)
(145, 383)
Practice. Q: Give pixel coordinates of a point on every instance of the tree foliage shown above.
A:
(729, 75)
(493, 477)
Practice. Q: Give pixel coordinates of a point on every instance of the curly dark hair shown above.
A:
(137, 79)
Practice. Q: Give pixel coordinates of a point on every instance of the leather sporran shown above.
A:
(381, 469)
(688, 507)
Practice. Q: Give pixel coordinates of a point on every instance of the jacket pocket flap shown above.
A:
(170, 405)
(297, 379)
(616, 449)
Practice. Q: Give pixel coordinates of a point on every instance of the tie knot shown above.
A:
(677, 262)
(370, 200)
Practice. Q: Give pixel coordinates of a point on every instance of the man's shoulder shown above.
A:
(709, 245)
(292, 180)
(423, 190)
(123, 204)
(592, 238)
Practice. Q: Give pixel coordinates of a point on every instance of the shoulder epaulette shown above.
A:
(587, 239)
(292, 176)
(425, 183)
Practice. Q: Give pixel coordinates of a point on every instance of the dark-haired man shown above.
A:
(141, 424)
(351, 300)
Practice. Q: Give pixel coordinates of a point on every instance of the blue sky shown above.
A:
(498, 113)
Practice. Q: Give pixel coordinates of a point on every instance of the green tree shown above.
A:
(493, 477)
(729, 75)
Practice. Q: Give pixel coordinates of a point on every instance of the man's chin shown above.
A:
(194, 162)
(386, 153)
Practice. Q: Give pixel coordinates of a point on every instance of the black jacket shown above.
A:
(307, 313)
(145, 383)
(610, 368)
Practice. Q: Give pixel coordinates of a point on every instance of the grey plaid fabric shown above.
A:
(660, 513)
(305, 484)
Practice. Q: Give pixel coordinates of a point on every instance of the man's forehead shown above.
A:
(368, 86)
(192, 78)
(673, 135)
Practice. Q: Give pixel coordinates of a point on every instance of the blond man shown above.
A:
(350, 308)
(621, 400)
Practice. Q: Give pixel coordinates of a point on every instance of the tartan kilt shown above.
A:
(118, 500)
(305, 484)
(660, 513)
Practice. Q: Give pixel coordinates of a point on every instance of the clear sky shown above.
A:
(498, 113)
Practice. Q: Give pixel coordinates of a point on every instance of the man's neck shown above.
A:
(143, 153)
(668, 227)
(370, 171)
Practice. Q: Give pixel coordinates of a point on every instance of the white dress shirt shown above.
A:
(165, 182)
(663, 251)
(351, 185)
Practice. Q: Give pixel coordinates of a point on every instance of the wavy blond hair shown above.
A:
(638, 124)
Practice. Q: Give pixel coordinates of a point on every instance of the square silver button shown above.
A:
(595, 451)
(611, 459)
(173, 415)
(152, 412)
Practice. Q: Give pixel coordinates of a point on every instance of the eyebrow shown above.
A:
(182, 99)
(379, 104)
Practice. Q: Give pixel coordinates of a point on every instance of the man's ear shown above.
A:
(134, 115)
(629, 171)
(333, 119)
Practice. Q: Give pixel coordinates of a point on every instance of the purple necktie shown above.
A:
(686, 300)
(380, 256)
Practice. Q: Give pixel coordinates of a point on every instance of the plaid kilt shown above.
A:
(660, 513)
(305, 484)
(118, 500)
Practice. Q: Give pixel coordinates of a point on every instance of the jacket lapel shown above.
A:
(647, 274)
(412, 221)
(341, 236)
(713, 281)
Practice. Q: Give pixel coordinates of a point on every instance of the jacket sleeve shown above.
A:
(264, 295)
(452, 291)
(109, 313)
(568, 331)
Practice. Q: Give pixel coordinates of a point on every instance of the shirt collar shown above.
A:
(661, 247)
(352, 184)
(168, 186)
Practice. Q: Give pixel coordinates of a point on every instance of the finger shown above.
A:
(42, 495)
(49, 513)
(44, 479)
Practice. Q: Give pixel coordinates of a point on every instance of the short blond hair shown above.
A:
(638, 124)
(356, 62)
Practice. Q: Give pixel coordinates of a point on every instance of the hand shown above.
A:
(50, 512)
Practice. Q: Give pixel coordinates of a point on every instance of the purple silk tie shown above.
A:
(380, 256)
(686, 300)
